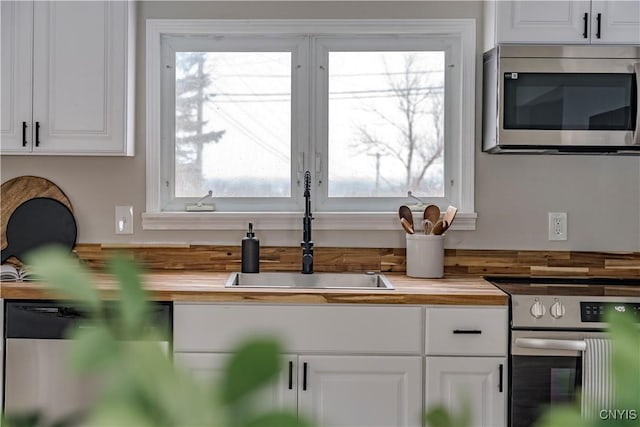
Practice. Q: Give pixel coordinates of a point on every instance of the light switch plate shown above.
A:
(124, 219)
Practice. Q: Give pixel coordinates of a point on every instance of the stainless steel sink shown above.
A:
(370, 281)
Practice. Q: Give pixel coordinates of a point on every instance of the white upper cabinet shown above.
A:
(619, 21)
(562, 22)
(16, 76)
(67, 78)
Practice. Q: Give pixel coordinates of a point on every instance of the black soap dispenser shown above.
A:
(250, 252)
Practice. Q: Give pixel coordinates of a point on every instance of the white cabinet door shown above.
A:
(79, 82)
(360, 391)
(17, 41)
(210, 366)
(571, 22)
(542, 21)
(67, 77)
(619, 21)
(480, 381)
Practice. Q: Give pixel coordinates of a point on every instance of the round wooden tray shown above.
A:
(20, 189)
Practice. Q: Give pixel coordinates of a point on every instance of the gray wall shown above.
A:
(513, 193)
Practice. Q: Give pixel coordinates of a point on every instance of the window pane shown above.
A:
(233, 124)
(386, 124)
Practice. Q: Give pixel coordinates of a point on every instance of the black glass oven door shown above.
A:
(538, 382)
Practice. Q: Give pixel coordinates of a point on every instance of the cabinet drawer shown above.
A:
(466, 331)
(344, 328)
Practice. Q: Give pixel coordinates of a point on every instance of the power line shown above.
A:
(255, 138)
(349, 92)
(288, 76)
(331, 98)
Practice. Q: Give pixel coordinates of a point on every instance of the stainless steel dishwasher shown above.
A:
(37, 369)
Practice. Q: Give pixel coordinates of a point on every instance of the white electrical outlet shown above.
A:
(557, 226)
(124, 219)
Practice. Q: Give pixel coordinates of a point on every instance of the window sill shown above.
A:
(287, 220)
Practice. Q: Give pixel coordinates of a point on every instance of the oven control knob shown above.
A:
(537, 309)
(557, 310)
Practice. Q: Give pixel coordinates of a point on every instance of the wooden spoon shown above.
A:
(432, 213)
(438, 228)
(407, 227)
(428, 226)
(405, 212)
(449, 216)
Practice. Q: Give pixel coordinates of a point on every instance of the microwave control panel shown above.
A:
(595, 311)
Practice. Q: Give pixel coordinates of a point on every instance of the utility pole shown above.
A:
(377, 156)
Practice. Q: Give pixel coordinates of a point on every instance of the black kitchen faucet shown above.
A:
(307, 243)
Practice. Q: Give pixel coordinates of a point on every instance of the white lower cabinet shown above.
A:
(361, 391)
(209, 368)
(466, 363)
(354, 365)
(351, 365)
(355, 391)
(479, 383)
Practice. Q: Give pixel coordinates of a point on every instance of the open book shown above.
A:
(9, 273)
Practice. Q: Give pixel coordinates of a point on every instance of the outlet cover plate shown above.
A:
(557, 226)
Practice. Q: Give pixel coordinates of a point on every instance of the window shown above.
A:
(229, 126)
(373, 109)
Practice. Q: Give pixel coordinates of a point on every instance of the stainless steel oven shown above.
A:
(551, 321)
(561, 99)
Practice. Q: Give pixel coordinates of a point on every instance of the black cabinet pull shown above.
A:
(599, 21)
(290, 375)
(304, 376)
(467, 331)
(586, 20)
(500, 385)
(24, 134)
(37, 134)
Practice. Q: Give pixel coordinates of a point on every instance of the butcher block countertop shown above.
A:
(209, 287)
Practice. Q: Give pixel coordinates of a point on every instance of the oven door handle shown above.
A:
(551, 344)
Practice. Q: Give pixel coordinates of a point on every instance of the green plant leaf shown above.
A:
(25, 419)
(64, 274)
(626, 359)
(133, 306)
(142, 385)
(94, 347)
(120, 413)
(254, 364)
(562, 416)
(438, 416)
(277, 419)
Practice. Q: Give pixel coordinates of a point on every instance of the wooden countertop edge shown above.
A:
(209, 287)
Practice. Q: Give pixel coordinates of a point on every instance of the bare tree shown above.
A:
(416, 150)
(191, 96)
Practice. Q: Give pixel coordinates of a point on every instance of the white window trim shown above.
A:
(155, 219)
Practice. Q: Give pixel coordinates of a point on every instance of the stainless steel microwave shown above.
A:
(561, 99)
